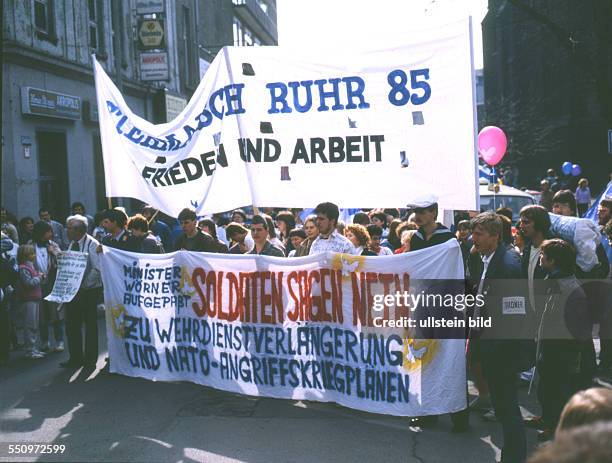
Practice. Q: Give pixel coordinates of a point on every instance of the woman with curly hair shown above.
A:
(359, 236)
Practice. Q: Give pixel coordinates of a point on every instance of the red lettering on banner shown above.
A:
(235, 299)
(219, 299)
(253, 285)
(199, 310)
(266, 299)
(293, 315)
(337, 312)
(312, 277)
(277, 298)
(244, 288)
(211, 282)
(320, 300)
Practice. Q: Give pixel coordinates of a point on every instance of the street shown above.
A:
(107, 417)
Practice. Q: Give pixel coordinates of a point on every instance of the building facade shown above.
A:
(154, 50)
(548, 84)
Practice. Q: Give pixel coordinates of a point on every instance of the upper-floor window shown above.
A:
(44, 20)
(96, 25)
(243, 36)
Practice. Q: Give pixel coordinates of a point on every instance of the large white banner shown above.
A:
(305, 328)
(271, 127)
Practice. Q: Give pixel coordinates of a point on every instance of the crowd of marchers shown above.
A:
(562, 305)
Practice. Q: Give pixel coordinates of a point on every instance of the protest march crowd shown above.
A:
(563, 303)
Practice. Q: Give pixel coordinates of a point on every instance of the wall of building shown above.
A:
(547, 68)
(61, 62)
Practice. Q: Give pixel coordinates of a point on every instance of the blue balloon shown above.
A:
(576, 170)
(567, 167)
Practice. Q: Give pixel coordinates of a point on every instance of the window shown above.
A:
(44, 20)
(237, 33)
(244, 37)
(96, 25)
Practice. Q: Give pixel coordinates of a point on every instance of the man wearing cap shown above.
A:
(430, 232)
(329, 239)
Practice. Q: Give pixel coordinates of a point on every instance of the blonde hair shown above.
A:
(586, 407)
(583, 182)
(24, 253)
(407, 235)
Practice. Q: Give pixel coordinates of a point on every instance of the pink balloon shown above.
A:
(492, 144)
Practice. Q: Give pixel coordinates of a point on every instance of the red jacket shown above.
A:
(28, 287)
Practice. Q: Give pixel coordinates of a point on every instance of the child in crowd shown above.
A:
(29, 294)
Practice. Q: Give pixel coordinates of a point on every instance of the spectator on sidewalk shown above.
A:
(583, 196)
(78, 208)
(8, 225)
(26, 227)
(59, 233)
(46, 263)
(29, 295)
(82, 310)
(546, 197)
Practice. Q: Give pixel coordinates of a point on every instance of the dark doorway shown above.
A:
(53, 173)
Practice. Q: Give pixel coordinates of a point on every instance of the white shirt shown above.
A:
(534, 257)
(486, 260)
(42, 258)
(334, 243)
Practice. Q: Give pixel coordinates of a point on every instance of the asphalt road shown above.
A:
(107, 417)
